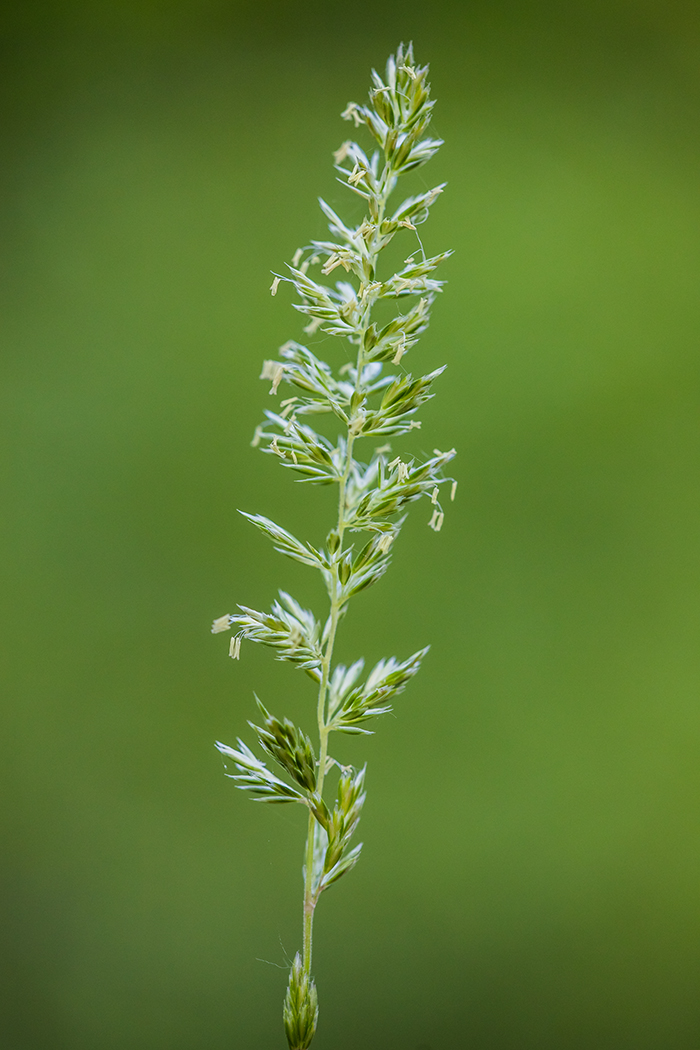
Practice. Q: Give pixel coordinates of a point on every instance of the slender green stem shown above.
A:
(309, 899)
(333, 591)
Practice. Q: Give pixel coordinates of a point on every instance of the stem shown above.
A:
(310, 900)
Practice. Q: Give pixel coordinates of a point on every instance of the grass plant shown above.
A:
(374, 400)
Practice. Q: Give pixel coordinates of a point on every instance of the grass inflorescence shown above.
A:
(373, 397)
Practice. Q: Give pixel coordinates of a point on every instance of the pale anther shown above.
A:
(273, 370)
(331, 263)
(351, 113)
(357, 175)
(341, 153)
(400, 350)
(288, 406)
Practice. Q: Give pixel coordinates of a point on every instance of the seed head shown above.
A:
(300, 1012)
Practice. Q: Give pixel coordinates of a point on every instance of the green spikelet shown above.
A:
(300, 1011)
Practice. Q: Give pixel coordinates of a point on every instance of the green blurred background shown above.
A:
(530, 877)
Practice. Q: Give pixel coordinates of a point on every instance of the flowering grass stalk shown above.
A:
(372, 493)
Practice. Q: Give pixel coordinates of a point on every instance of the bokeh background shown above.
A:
(530, 876)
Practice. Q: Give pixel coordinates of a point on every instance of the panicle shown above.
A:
(364, 391)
